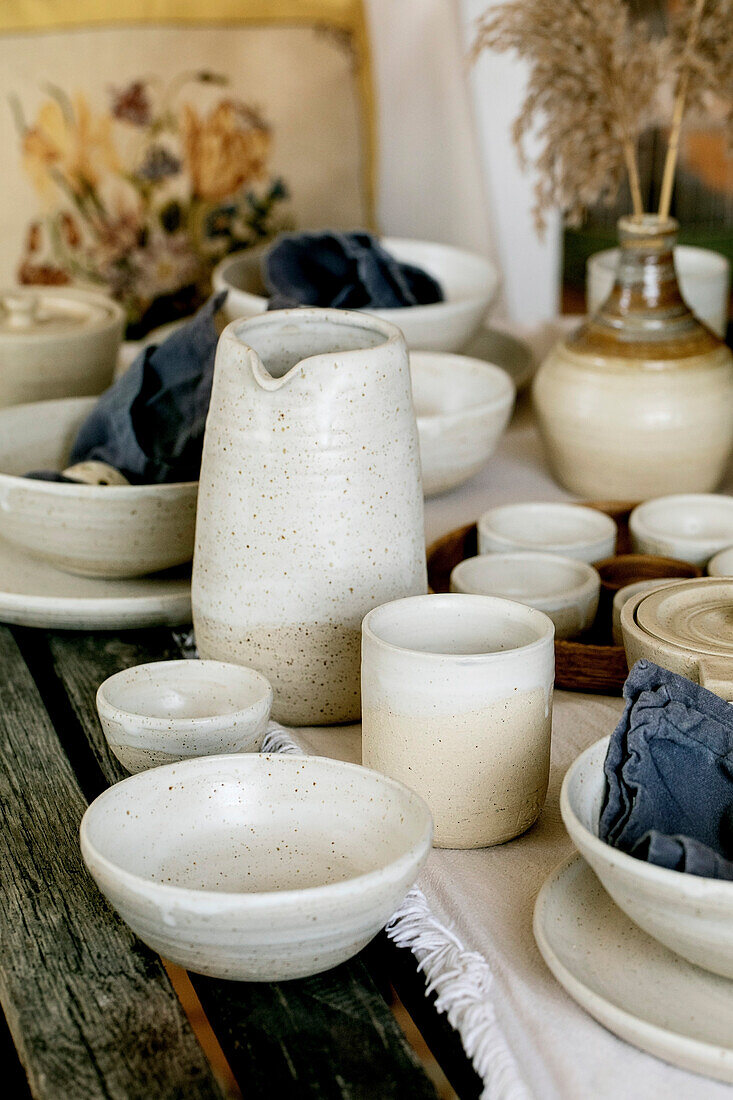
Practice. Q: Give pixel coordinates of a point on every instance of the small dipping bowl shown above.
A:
(570, 530)
(169, 710)
(690, 526)
(256, 867)
(564, 588)
(722, 564)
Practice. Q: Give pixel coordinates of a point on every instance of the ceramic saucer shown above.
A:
(33, 593)
(518, 349)
(638, 989)
(693, 616)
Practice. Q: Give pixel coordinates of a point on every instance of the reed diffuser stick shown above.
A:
(632, 169)
(670, 161)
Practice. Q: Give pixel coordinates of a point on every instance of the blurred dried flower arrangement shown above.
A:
(143, 198)
(597, 78)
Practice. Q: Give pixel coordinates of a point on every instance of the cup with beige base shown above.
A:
(457, 704)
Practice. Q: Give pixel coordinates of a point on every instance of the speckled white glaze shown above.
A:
(462, 406)
(690, 633)
(469, 283)
(689, 914)
(570, 530)
(56, 342)
(633, 986)
(688, 526)
(721, 565)
(256, 867)
(457, 702)
(565, 589)
(157, 713)
(107, 531)
(625, 594)
(310, 504)
(624, 429)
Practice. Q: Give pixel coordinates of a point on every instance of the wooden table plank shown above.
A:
(331, 1036)
(91, 1011)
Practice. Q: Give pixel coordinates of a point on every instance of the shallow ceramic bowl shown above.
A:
(690, 526)
(567, 529)
(691, 915)
(722, 564)
(256, 867)
(469, 284)
(462, 407)
(94, 530)
(169, 710)
(564, 588)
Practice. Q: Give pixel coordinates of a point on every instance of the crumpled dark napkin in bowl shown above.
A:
(344, 271)
(150, 423)
(669, 775)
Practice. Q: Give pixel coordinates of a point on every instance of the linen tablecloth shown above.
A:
(549, 1047)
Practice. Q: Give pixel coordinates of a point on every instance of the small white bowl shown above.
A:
(106, 531)
(693, 916)
(567, 529)
(627, 593)
(469, 284)
(721, 565)
(462, 407)
(564, 588)
(170, 710)
(689, 526)
(256, 867)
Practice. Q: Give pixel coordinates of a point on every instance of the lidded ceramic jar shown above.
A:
(56, 342)
(310, 507)
(638, 401)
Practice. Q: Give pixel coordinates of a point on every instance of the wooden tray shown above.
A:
(588, 665)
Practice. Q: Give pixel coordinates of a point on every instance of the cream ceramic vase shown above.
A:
(638, 401)
(310, 505)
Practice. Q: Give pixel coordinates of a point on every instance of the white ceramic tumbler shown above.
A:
(457, 704)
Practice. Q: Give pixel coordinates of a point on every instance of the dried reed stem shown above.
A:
(632, 169)
(670, 161)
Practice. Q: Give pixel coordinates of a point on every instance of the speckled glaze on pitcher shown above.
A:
(310, 507)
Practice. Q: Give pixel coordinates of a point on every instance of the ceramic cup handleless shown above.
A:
(456, 703)
(721, 565)
(165, 711)
(310, 506)
(687, 627)
(689, 526)
(571, 530)
(564, 588)
(56, 342)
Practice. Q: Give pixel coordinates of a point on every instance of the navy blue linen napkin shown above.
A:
(150, 423)
(669, 775)
(344, 271)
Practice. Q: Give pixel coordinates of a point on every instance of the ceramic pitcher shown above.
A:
(310, 507)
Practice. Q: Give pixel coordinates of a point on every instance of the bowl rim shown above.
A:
(80, 489)
(153, 722)
(693, 886)
(588, 585)
(640, 525)
(201, 899)
(115, 318)
(603, 521)
(503, 400)
(489, 287)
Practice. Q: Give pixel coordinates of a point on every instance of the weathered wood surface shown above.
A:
(331, 1036)
(91, 1010)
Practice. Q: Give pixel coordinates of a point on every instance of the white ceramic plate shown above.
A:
(33, 593)
(638, 989)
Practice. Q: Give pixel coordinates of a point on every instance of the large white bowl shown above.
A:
(469, 284)
(688, 526)
(93, 530)
(691, 915)
(164, 711)
(462, 407)
(256, 867)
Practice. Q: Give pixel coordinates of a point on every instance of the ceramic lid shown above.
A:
(40, 311)
(695, 615)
